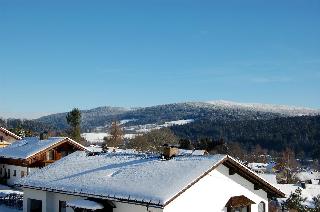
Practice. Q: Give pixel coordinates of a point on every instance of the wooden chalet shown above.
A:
(22, 157)
(7, 137)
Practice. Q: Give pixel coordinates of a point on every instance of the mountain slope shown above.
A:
(221, 111)
(90, 118)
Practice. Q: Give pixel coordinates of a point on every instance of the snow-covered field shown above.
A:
(132, 131)
(98, 137)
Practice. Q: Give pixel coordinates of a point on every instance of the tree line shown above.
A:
(301, 134)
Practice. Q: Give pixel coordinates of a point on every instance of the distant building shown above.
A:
(7, 137)
(24, 156)
(131, 182)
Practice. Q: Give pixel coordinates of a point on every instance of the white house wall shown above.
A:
(50, 202)
(124, 207)
(213, 191)
(13, 179)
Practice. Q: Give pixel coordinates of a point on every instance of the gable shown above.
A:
(60, 149)
(6, 135)
(259, 183)
(32, 146)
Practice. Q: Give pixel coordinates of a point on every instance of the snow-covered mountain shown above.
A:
(220, 110)
(281, 109)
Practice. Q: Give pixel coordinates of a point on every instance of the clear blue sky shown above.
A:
(56, 55)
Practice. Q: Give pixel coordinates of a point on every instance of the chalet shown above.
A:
(31, 153)
(7, 137)
(133, 182)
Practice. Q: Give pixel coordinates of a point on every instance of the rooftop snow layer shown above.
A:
(27, 147)
(138, 177)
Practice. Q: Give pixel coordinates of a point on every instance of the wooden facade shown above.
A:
(7, 137)
(47, 156)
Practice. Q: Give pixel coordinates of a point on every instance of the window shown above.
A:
(22, 173)
(1, 138)
(14, 173)
(261, 207)
(62, 206)
(240, 209)
(239, 204)
(0, 171)
(50, 155)
(8, 174)
(34, 205)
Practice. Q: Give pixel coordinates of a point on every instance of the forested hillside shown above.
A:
(299, 133)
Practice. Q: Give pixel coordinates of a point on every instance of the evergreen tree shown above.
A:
(295, 201)
(316, 203)
(74, 120)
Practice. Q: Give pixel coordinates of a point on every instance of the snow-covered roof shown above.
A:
(122, 176)
(309, 192)
(310, 175)
(127, 176)
(271, 178)
(4, 130)
(192, 152)
(85, 204)
(30, 146)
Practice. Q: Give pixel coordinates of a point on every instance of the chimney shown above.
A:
(169, 151)
(44, 136)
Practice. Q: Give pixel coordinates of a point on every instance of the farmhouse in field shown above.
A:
(132, 182)
(31, 153)
(7, 137)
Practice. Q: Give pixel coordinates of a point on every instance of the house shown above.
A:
(7, 137)
(309, 177)
(262, 167)
(134, 182)
(31, 153)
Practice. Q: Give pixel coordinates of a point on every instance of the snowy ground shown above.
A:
(132, 131)
(98, 137)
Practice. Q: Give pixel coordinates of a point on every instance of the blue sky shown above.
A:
(56, 55)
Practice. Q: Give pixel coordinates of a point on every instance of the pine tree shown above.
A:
(316, 203)
(74, 120)
(295, 201)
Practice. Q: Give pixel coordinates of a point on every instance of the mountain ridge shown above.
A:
(218, 110)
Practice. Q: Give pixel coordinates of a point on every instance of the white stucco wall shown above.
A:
(13, 179)
(213, 191)
(50, 202)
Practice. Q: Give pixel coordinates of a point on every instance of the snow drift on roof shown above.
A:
(137, 177)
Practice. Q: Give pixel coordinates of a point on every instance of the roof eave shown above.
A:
(112, 198)
(255, 179)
